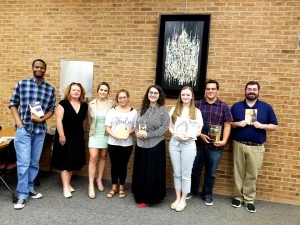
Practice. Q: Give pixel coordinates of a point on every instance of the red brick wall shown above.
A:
(250, 40)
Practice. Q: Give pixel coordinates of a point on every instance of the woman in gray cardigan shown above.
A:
(149, 169)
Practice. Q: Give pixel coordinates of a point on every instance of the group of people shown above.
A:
(199, 131)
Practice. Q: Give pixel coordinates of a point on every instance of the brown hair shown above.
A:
(105, 84)
(178, 108)
(146, 101)
(122, 90)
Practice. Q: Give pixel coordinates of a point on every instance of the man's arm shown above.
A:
(268, 127)
(15, 113)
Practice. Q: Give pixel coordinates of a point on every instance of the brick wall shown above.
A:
(250, 40)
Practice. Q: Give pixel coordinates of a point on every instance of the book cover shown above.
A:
(250, 116)
(186, 128)
(36, 109)
(122, 131)
(142, 128)
(214, 132)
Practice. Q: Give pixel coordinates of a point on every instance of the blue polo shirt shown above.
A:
(265, 115)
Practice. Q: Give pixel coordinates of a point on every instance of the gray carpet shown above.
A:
(54, 209)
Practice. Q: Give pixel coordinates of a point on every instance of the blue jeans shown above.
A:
(28, 150)
(210, 158)
(182, 156)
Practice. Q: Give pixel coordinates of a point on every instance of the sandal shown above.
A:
(122, 193)
(111, 193)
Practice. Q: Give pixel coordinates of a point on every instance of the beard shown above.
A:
(251, 96)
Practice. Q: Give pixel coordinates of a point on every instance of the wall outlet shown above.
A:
(298, 43)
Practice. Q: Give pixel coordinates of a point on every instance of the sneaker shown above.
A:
(250, 208)
(208, 201)
(20, 204)
(236, 203)
(35, 195)
(189, 196)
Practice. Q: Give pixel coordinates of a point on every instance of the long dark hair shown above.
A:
(146, 101)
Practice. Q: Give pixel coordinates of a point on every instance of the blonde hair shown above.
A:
(68, 90)
(178, 108)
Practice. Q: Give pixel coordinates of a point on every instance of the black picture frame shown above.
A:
(182, 53)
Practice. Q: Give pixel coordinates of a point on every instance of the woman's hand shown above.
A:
(62, 140)
(142, 134)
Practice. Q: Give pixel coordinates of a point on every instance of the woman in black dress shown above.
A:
(69, 144)
(149, 169)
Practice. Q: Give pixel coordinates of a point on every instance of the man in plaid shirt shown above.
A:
(217, 114)
(30, 128)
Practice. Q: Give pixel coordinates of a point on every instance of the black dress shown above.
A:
(70, 156)
(149, 174)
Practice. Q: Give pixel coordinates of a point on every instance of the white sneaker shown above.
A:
(35, 195)
(20, 204)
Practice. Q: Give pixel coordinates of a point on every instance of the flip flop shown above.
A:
(111, 193)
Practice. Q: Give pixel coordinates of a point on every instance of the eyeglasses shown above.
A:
(153, 92)
(212, 89)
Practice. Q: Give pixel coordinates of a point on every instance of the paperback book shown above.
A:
(36, 109)
(122, 131)
(214, 132)
(186, 128)
(250, 116)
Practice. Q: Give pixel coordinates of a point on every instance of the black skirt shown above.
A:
(149, 174)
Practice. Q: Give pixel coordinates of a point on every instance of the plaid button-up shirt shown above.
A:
(27, 92)
(216, 113)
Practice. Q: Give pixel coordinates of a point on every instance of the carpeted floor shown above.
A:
(54, 209)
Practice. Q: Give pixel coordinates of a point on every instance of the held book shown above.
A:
(122, 131)
(214, 132)
(250, 116)
(142, 128)
(186, 128)
(36, 109)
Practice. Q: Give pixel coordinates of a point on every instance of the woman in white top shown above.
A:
(120, 124)
(97, 111)
(185, 125)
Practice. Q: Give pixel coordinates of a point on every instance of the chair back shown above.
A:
(8, 156)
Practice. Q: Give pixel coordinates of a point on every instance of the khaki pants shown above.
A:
(247, 165)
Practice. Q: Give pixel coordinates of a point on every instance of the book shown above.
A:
(250, 116)
(142, 128)
(186, 128)
(214, 132)
(122, 131)
(36, 109)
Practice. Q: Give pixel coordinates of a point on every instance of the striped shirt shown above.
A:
(216, 113)
(157, 122)
(27, 92)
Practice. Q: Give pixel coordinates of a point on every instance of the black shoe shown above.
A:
(20, 204)
(250, 208)
(35, 195)
(208, 201)
(189, 196)
(236, 203)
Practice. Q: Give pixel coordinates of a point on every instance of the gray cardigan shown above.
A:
(157, 122)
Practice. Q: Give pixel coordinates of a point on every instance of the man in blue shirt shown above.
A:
(249, 136)
(30, 128)
(215, 114)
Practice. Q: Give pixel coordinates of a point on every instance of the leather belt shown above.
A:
(250, 143)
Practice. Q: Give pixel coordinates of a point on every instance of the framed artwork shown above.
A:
(182, 53)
